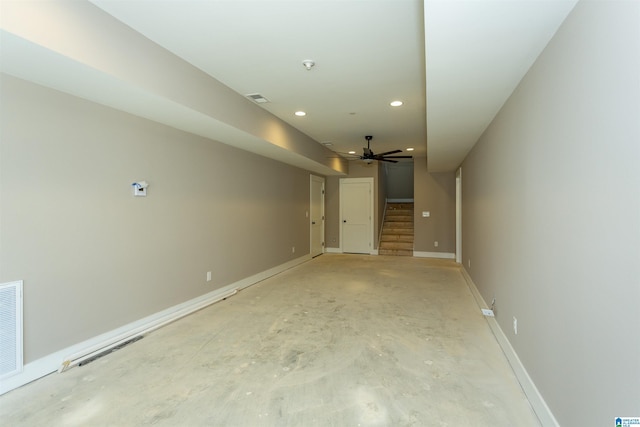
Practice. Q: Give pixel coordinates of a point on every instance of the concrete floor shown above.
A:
(342, 340)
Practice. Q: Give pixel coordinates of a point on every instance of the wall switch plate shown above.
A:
(515, 325)
(293, 249)
(487, 312)
(208, 276)
(426, 214)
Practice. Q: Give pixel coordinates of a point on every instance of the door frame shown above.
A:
(459, 215)
(322, 212)
(370, 181)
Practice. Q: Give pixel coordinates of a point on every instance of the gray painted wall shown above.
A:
(436, 193)
(94, 258)
(399, 179)
(551, 216)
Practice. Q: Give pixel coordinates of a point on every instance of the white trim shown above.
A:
(539, 406)
(400, 200)
(445, 255)
(374, 252)
(58, 360)
(459, 215)
(333, 250)
(321, 180)
(113, 339)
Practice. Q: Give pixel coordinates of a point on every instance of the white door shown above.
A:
(316, 216)
(356, 215)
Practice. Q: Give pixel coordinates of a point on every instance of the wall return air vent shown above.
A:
(10, 329)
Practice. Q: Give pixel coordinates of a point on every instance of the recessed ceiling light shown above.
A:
(300, 113)
(409, 149)
(352, 152)
(396, 103)
(327, 143)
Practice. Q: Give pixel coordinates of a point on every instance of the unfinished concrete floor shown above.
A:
(342, 340)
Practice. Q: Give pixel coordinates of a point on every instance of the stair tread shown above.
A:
(396, 218)
(397, 238)
(402, 231)
(398, 224)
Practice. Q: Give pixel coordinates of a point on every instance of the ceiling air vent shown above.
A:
(257, 98)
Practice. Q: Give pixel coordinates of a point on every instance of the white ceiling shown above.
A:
(367, 53)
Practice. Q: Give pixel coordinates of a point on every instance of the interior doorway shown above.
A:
(316, 216)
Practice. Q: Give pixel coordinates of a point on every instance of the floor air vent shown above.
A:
(10, 329)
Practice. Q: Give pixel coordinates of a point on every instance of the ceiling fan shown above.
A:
(369, 156)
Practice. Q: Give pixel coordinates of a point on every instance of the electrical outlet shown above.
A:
(487, 312)
(293, 249)
(208, 276)
(515, 325)
(435, 243)
(469, 262)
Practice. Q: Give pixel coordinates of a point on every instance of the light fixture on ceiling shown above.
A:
(396, 103)
(352, 152)
(410, 149)
(300, 113)
(327, 143)
(308, 64)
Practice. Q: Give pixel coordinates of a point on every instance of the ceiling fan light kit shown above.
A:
(308, 64)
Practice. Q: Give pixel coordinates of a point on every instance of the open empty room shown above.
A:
(319, 213)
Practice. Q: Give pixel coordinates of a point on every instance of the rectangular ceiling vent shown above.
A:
(257, 98)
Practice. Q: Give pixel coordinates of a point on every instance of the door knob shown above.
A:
(344, 220)
(313, 222)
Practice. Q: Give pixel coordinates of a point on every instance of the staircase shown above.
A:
(397, 230)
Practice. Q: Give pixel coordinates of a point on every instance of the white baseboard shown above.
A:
(67, 357)
(445, 255)
(339, 251)
(542, 411)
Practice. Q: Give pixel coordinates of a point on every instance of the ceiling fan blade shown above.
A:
(398, 157)
(389, 152)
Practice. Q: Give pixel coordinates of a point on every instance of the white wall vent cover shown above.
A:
(10, 329)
